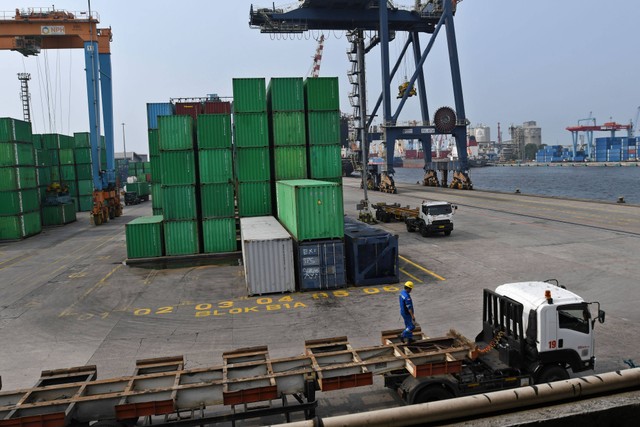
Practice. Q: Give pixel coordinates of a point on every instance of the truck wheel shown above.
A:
(432, 394)
(447, 233)
(552, 373)
(409, 228)
(423, 230)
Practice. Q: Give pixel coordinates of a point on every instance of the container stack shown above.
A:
(83, 169)
(43, 166)
(19, 202)
(145, 237)
(312, 211)
(155, 110)
(252, 164)
(68, 176)
(178, 177)
(59, 206)
(285, 102)
(322, 106)
(51, 143)
(215, 159)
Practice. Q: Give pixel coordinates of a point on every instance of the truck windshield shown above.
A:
(439, 210)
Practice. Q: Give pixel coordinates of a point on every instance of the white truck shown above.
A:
(431, 217)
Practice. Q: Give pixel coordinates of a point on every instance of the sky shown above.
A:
(553, 62)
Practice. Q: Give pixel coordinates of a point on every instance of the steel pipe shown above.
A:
(486, 403)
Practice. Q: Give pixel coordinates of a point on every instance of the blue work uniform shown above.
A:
(406, 304)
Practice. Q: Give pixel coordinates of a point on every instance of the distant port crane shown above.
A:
(611, 127)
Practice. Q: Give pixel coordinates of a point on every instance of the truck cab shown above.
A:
(433, 217)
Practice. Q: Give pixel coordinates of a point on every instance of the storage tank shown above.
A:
(532, 133)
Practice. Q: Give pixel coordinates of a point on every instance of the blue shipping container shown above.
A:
(319, 264)
(158, 109)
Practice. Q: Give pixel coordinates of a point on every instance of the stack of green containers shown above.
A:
(67, 158)
(84, 174)
(322, 106)
(217, 205)
(154, 156)
(43, 166)
(179, 185)
(285, 102)
(252, 164)
(19, 202)
(51, 143)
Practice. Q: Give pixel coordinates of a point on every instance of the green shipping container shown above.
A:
(156, 211)
(43, 175)
(251, 130)
(82, 156)
(17, 202)
(321, 94)
(219, 235)
(176, 133)
(145, 237)
(155, 166)
(85, 187)
(84, 172)
(72, 188)
(42, 158)
(51, 141)
(68, 173)
(146, 167)
(156, 196)
(179, 202)
(82, 140)
(15, 130)
(288, 128)
(68, 142)
(214, 131)
(253, 164)
(254, 198)
(59, 214)
(17, 154)
(249, 95)
(67, 156)
(216, 166)
(142, 188)
(181, 237)
(20, 226)
(310, 209)
(290, 162)
(217, 200)
(17, 178)
(325, 161)
(323, 128)
(177, 167)
(85, 203)
(154, 142)
(55, 157)
(55, 174)
(36, 139)
(285, 94)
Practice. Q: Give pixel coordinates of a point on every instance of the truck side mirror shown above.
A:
(601, 316)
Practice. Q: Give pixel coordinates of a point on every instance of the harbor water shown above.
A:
(605, 183)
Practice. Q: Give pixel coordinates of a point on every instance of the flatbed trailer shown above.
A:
(388, 212)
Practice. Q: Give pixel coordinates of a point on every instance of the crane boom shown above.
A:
(317, 58)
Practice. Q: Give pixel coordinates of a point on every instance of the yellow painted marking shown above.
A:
(429, 272)
(77, 275)
(415, 279)
(98, 285)
(11, 259)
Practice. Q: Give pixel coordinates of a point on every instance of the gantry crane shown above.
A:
(32, 30)
(611, 127)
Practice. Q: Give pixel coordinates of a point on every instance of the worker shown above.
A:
(406, 311)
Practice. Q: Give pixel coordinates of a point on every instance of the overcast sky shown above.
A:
(550, 61)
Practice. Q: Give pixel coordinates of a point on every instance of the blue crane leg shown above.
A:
(93, 95)
(107, 112)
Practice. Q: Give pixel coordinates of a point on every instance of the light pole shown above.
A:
(124, 144)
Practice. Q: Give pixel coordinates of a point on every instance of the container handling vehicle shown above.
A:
(533, 332)
(431, 217)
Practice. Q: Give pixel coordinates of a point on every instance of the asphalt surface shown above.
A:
(67, 298)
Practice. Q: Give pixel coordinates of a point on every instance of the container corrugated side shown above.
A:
(322, 94)
(154, 142)
(290, 162)
(156, 196)
(68, 142)
(288, 128)
(85, 203)
(214, 131)
(285, 94)
(155, 110)
(44, 176)
(217, 200)
(310, 209)
(84, 171)
(251, 129)
(51, 141)
(17, 154)
(19, 201)
(82, 140)
(219, 235)
(20, 226)
(15, 130)
(67, 156)
(179, 202)
(217, 107)
(177, 167)
(267, 252)
(17, 178)
(320, 264)
(323, 127)
(216, 165)
(176, 133)
(68, 173)
(181, 237)
(249, 95)
(191, 109)
(254, 198)
(325, 161)
(145, 238)
(59, 214)
(253, 164)
(82, 156)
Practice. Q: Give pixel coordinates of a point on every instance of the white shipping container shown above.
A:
(267, 252)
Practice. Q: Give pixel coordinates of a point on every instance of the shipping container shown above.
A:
(68, 173)
(217, 200)
(43, 175)
(321, 94)
(249, 95)
(17, 178)
(82, 140)
(251, 130)
(192, 109)
(42, 158)
(17, 154)
(323, 127)
(290, 162)
(142, 188)
(181, 237)
(177, 167)
(285, 94)
(36, 140)
(156, 196)
(219, 235)
(320, 264)
(214, 131)
(216, 165)
(288, 128)
(68, 142)
(154, 142)
(253, 164)
(371, 255)
(325, 161)
(254, 199)
(84, 172)
(179, 202)
(14, 130)
(82, 156)
(217, 107)
(58, 214)
(19, 201)
(85, 203)
(51, 141)
(176, 133)
(19, 226)
(145, 237)
(267, 254)
(155, 110)
(310, 209)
